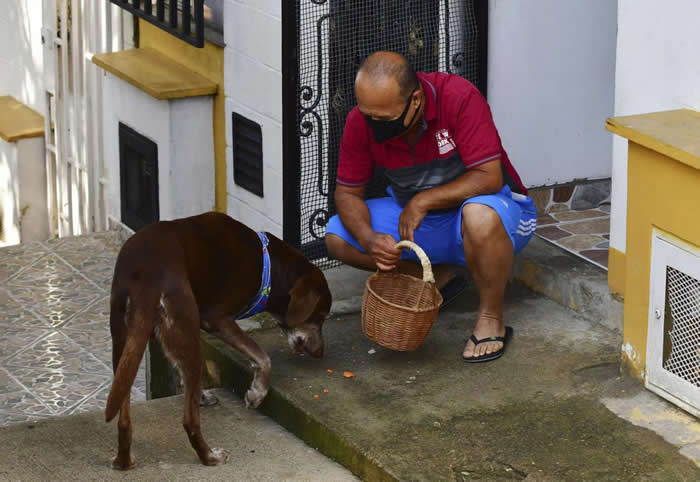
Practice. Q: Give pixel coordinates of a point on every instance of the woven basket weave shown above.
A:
(398, 310)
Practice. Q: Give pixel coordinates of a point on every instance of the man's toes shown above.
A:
(494, 347)
(468, 350)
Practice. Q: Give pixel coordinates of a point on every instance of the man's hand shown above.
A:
(411, 217)
(381, 248)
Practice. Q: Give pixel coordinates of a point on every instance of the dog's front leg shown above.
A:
(230, 332)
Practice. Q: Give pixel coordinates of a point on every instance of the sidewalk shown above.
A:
(81, 447)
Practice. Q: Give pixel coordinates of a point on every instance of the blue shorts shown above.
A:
(440, 235)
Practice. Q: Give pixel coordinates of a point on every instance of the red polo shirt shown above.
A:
(458, 134)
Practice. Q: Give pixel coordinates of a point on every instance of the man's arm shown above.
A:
(353, 212)
(486, 178)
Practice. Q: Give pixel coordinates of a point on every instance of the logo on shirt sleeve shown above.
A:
(445, 142)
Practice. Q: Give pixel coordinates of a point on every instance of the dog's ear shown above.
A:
(303, 298)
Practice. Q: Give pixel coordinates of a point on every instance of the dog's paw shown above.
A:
(254, 397)
(207, 399)
(216, 456)
(123, 463)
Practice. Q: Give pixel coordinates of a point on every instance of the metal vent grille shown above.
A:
(681, 354)
(247, 154)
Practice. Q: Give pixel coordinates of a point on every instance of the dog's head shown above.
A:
(309, 305)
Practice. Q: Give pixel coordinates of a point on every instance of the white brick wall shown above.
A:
(253, 86)
(21, 54)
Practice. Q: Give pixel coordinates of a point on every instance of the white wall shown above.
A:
(182, 131)
(551, 78)
(253, 86)
(658, 68)
(21, 55)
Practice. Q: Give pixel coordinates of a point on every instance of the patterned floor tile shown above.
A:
(8, 418)
(58, 352)
(14, 258)
(48, 272)
(57, 305)
(94, 318)
(98, 401)
(13, 314)
(98, 343)
(98, 269)
(14, 397)
(15, 338)
(94, 244)
(58, 390)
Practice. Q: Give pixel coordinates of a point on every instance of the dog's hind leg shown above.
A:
(231, 333)
(119, 304)
(179, 334)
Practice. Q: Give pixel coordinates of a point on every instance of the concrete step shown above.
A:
(542, 267)
(81, 447)
(538, 413)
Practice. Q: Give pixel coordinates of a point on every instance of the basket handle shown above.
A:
(424, 261)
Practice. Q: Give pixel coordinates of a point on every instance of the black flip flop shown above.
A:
(452, 290)
(494, 355)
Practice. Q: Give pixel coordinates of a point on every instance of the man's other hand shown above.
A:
(411, 217)
(381, 248)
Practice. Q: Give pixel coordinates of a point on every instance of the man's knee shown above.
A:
(480, 223)
(335, 246)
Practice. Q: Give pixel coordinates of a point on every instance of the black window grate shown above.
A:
(182, 16)
(138, 176)
(323, 44)
(247, 154)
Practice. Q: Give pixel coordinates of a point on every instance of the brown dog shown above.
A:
(173, 278)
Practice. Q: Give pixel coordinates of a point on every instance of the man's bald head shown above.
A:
(381, 66)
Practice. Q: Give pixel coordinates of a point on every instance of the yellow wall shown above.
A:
(209, 62)
(662, 193)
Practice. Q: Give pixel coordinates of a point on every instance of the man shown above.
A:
(452, 188)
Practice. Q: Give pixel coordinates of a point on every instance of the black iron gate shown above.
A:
(323, 43)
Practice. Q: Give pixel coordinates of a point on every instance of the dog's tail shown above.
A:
(139, 327)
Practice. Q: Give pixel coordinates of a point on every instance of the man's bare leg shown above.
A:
(489, 254)
(348, 254)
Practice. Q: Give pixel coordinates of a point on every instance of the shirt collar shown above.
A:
(430, 96)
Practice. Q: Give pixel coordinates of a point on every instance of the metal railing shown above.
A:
(182, 16)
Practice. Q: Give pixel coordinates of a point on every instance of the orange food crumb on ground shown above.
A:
(325, 390)
(330, 372)
(316, 396)
(348, 374)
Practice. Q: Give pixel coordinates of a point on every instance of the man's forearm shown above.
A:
(470, 184)
(354, 214)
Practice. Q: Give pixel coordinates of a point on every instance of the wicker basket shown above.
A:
(398, 310)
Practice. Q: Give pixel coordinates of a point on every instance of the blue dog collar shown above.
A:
(260, 301)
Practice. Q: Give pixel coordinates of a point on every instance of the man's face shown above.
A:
(387, 112)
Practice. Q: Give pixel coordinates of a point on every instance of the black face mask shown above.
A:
(383, 130)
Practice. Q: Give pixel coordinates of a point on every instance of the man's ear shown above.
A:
(303, 299)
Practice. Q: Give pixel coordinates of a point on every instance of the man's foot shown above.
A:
(486, 327)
